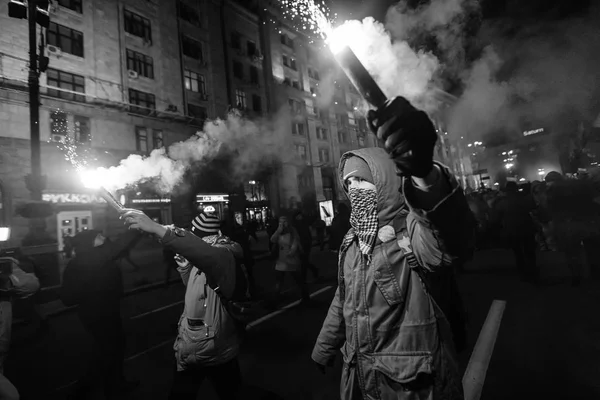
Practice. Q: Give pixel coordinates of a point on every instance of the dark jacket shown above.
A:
(391, 333)
(93, 279)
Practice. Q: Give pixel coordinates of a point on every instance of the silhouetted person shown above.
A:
(303, 228)
(93, 281)
(339, 226)
(518, 229)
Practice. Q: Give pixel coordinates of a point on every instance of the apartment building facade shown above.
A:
(124, 77)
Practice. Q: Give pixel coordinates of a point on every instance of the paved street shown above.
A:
(547, 346)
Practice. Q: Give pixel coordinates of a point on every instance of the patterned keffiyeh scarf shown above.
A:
(363, 218)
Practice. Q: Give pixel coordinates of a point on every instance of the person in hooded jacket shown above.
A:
(209, 339)
(93, 281)
(392, 314)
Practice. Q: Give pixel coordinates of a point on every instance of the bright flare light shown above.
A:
(92, 179)
(4, 233)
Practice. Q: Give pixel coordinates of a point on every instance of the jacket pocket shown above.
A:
(191, 341)
(387, 259)
(404, 373)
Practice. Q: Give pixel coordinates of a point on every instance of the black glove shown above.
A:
(408, 136)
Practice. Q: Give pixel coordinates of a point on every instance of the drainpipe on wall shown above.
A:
(226, 54)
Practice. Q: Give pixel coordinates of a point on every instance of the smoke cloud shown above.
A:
(396, 67)
(254, 144)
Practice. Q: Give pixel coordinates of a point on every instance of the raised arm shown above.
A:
(440, 224)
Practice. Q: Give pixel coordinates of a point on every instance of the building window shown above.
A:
(286, 40)
(289, 62)
(145, 101)
(141, 139)
(256, 103)
(140, 63)
(362, 124)
(251, 49)
(198, 112)
(82, 129)
(194, 81)
(296, 85)
(157, 139)
(188, 13)
(238, 70)
(192, 48)
(324, 155)
(298, 128)
(301, 151)
(67, 39)
(313, 74)
(240, 99)
(74, 5)
(254, 75)
(321, 133)
(297, 107)
(138, 26)
(361, 140)
(287, 81)
(66, 81)
(58, 124)
(342, 136)
(236, 40)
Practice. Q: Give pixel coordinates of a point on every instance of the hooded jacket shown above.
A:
(207, 334)
(395, 340)
(93, 279)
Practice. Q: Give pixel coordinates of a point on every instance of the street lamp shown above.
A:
(34, 11)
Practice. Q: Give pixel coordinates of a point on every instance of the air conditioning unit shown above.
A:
(54, 50)
(132, 74)
(59, 138)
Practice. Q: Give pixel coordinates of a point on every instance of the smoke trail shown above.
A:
(255, 144)
(545, 75)
(397, 68)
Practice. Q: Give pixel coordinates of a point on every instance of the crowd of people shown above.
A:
(396, 316)
(560, 214)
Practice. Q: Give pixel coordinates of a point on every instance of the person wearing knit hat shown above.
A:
(208, 340)
(93, 281)
(356, 167)
(206, 225)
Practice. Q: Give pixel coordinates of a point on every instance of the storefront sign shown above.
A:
(73, 198)
(533, 132)
(150, 201)
(211, 198)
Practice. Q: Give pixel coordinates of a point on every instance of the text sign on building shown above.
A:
(72, 198)
(150, 201)
(533, 132)
(211, 198)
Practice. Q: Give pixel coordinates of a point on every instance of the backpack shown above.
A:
(241, 307)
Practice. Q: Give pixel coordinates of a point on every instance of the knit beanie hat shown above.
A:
(356, 166)
(206, 225)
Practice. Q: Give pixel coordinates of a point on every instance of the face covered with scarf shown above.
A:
(363, 199)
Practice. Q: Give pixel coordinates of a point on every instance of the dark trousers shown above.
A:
(307, 265)
(523, 247)
(109, 339)
(226, 379)
(297, 275)
(591, 247)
